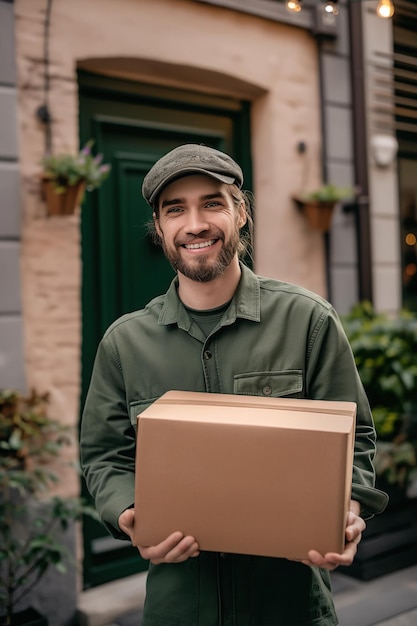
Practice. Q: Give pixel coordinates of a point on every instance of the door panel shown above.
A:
(133, 126)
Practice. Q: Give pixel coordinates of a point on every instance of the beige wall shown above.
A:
(168, 42)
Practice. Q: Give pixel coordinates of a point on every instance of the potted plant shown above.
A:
(31, 519)
(385, 352)
(318, 205)
(66, 177)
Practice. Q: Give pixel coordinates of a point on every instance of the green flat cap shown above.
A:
(190, 159)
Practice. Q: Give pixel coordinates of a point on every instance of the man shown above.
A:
(219, 328)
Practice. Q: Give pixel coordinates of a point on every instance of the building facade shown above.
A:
(298, 99)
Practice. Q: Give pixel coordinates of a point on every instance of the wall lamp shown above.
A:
(385, 8)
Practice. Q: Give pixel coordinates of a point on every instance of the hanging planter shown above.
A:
(318, 213)
(318, 206)
(63, 202)
(66, 177)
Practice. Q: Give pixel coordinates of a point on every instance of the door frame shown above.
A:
(126, 560)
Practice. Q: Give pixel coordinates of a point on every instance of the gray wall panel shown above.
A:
(344, 288)
(9, 200)
(12, 373)
(339, 137)
(10, 295)
(343, 240)
(8, 123)
(7, 61)
(340, 174)
(337, 84)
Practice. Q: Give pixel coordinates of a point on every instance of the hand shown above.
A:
(175, 549)
(355, 526)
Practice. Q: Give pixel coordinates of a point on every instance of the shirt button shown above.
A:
(207, 355)
(267, 390)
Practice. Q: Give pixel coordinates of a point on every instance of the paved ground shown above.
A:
(389, 600)
(385, 601)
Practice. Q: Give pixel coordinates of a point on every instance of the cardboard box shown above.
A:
(244, 474)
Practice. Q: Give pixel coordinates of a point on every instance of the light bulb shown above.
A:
(331, 7)
(385, 9)
(294, 5)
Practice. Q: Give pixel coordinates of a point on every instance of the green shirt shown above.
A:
(273, 339)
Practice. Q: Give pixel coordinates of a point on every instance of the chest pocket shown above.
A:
(272, 384)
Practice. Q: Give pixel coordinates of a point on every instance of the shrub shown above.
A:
(30, 517)
(385, 351)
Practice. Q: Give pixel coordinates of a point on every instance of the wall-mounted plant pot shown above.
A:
(62, 203)
(319, 213)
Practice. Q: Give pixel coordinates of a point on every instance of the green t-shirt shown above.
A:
(207, 319)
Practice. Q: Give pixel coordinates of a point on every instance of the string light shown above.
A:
(330, 7)
(410, 239)
(385, 9)
(294, 5)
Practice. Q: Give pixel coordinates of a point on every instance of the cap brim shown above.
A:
(229, 180)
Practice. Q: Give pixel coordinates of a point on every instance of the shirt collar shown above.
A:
(245, 303)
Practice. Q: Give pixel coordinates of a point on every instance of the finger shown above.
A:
(170, 542)
(347, 557)
(195, 553)
(175, 549)
(355, 522)
(161, 549)
(315, 559)
(354, 531)
(353, 534)
(126, 522)
(127, 517)
(182, 551)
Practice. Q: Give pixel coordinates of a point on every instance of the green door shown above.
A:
(132, 126)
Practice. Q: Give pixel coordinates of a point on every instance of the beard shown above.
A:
(201, 269)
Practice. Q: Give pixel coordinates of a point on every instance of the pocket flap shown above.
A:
(273, 384)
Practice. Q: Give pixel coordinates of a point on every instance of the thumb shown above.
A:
(126, 521)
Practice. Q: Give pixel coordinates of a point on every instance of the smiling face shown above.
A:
(199, 225)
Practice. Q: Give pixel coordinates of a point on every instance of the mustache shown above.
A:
(204, 234)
